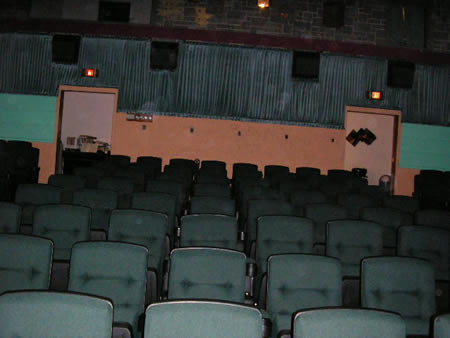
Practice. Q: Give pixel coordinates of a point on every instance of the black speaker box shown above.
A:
(401, 74)
(65, 49)
(164, 55)
(306, 65)
(114, 11)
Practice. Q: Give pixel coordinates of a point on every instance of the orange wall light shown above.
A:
(263, 3)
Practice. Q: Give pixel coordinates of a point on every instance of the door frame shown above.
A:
(60, 109)
(397, 114)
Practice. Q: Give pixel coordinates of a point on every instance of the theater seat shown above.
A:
(442, 326)
(348, 323)
(49, 314)
(116, 271)
(25, 262)
(10, 215)
(400, 284)
(191, 318)
(296, 282)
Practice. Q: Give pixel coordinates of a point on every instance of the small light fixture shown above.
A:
(375, 95)
(90, 72)
(263, 4)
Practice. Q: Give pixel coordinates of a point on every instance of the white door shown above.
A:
(378, 157)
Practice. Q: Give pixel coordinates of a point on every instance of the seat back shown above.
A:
(101, 202)
(64, 224)
(91, 174)
(157, 202)
(297, 281)
(25, 262)
(321, 214)
(217, 320)
(212, 205)
(300, 198)
(207, 273)
(10, 215)
(218, 231)
(429, 243)
(212, 189)
(275, 170)
(142, 227)
(169, 187)
(352, 240)
(433, 217)
(69, 183)
(30, 195)
(354, 202)
(404, 203)
(49, 314)
(441, 327)
(282, 235)
(348, 323)
(217, 166)
(391, 219)
(265, 207)
(150, 162)
(114, 270)
(400, 284)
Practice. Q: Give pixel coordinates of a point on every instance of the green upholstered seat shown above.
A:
(298, 281)
(123, 186)
(30, 195)
(289, 185)
(352, 240)
(429, 243)
(199, 319)
(275, 170)
(207, 273)
(218, 231)
(348, 323)
(218, 166)
(69, 183)
(134, 173)
(10, 215)
(211, 177)
(212, 205)
(403, 203)
(282, 235)
(91, 174)
(150, 162)
(441, 327)
(170, 187)
(391, 219)
(157, 202)
(114, 270)
(354, 202)
(300, 198)
(49, 314)
(254, 192)
(64, 224)
(101, 202)
(433, 217)
(212, 189)
(25, 262)
(400, 284)
(143, 227)
(265, 207)
(321, 213)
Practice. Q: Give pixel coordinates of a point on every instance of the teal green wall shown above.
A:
(425, 147)
(27, 117)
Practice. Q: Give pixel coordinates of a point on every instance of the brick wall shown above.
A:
(368, 21)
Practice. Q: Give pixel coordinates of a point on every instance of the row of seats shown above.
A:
(74, 315)
(295, 282)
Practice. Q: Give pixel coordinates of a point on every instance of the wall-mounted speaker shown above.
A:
(306, 65)
(114, 11)
(65, 49)
(401, 74)
(164, 55)
(333, 13)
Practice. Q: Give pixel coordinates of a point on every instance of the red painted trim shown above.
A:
(220, 37)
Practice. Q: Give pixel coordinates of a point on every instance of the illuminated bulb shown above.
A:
(263, 3)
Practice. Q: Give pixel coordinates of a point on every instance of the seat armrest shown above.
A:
(284, 334)
(122, 330)
(267, 328)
